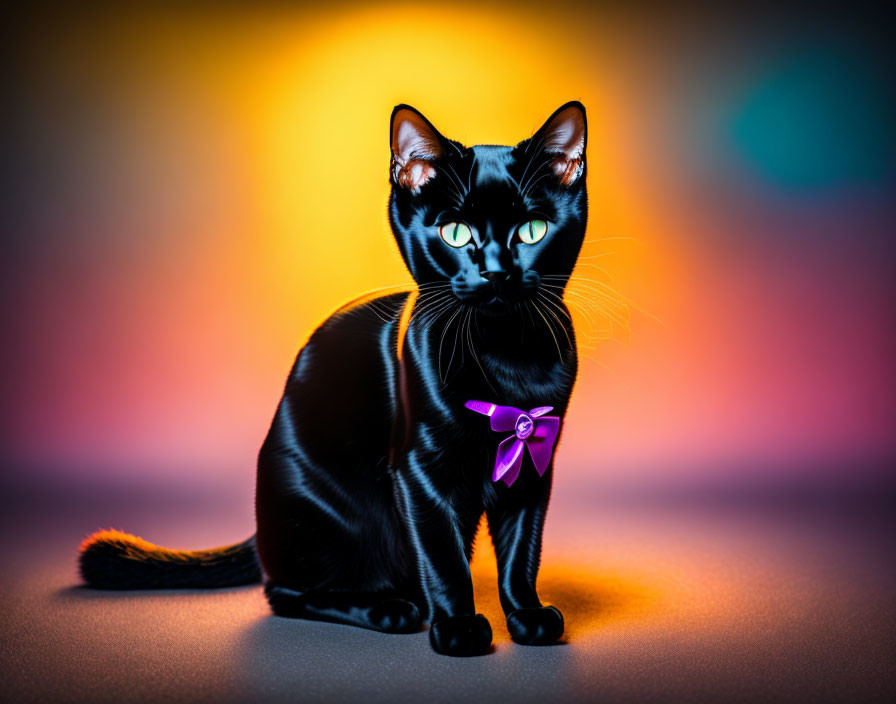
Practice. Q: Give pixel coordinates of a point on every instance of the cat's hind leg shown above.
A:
(377, 611)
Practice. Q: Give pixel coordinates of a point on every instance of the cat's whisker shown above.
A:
(554, 317)
(430, 316)
(579, 277)
(548, 309)
(428, 296)
(449, 188)
(611, 313)
(529, 313)
(536, 152)
(463, 335)
(555, 308)
(455, 183)
(523, 179)
(550, 329)
(380, 315)
(425, 298)
(542, 292)
(609, 239)
(587, 339)
(454, 346)
(623, 320)
(442, 340)
(475, 356)
(433, 284)
(526, 170)
(455, 179)
(369, 296)
(599, 301)
(396, 288)
(609, 294)
(434, 302)
(434, 290)
(430, 292)
(459, 182)
(457, 149)
(598, 287)
(433, 314)
(591, 290)
(583, 310)
(534, 181)
(436, 316)
(597, 268)
(455, 196)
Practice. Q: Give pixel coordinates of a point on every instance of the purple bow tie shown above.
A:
(534, 430)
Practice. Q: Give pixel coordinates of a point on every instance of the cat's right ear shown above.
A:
(562, 139)
(416, 144)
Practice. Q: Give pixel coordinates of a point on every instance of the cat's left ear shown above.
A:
(416, 145)
(562, 138)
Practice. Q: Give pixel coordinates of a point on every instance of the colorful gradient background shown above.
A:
(182, 179)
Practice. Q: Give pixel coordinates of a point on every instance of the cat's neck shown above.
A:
(526, 338)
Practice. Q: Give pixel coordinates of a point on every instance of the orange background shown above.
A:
(188, 180)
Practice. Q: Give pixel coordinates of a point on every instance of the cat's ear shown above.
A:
(562, 138)
(416, 144)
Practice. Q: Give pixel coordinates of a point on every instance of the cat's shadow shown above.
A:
(291, 656)
(285, 658)
(587, 601)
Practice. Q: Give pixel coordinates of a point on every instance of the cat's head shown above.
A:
(491, 220)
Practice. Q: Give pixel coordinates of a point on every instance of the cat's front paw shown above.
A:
(461, 636)
(539, 626)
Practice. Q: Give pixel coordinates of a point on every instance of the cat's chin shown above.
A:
(499, 307)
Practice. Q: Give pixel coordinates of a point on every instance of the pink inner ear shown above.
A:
(413, 174)
(567, 170)
(565, 137)
(414, 146)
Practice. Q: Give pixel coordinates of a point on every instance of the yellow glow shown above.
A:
(328, 116)
(257, 148)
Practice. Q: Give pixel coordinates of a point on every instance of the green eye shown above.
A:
(456, 233)
(532, 231)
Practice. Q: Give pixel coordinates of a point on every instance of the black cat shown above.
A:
(377, 470)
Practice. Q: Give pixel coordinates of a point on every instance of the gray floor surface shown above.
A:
(667, 599)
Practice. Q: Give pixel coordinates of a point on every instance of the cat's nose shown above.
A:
(495, 277)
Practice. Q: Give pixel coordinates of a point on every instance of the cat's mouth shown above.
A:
(489, 295)
(498, 303)
(495, 304)
(492, 298)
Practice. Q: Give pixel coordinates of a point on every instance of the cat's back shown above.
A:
(356, 336)
(344, 378)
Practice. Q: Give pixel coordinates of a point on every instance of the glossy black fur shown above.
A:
(373, 477)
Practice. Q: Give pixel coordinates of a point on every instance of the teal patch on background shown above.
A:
(819, 118)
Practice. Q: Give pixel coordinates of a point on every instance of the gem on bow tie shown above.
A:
(533, 430)
(524, 426)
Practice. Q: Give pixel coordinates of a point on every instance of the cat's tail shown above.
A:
(113, 560)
